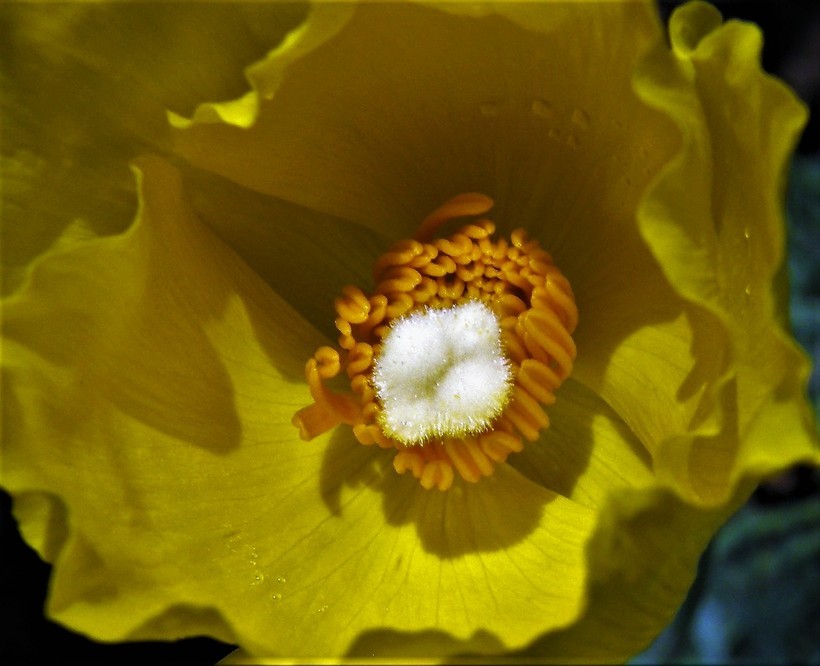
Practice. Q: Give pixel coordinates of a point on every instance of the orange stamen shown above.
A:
(462, 205)
(516, 279)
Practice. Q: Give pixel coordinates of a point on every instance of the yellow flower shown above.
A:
(150, 377)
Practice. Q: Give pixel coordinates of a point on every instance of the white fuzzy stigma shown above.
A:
(442, 373)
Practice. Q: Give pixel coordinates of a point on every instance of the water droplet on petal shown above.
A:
(489, 109)
(232, 541)
(581, 118)
(322, 609)
(542, 108)
(281, 579)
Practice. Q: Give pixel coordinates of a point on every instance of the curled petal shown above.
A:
(152, 378)
(723, 248)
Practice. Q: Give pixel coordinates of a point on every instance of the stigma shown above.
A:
(453, 357)
(442, 373)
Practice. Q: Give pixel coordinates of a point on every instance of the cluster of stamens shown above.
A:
(515, 279)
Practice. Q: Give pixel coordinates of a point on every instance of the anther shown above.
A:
(454, 356)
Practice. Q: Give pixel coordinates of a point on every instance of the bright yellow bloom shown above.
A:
(150, 377)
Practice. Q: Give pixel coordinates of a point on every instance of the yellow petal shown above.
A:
(643, 555)
(305, 256)
(401, 572)
(85, 89)
(139, 369)
(643, 559)
(395, 557)
(638, 533)
(159, 415)
(588, 453)
(381, 131)
(714, 219)
(656, 360)
(152, 383)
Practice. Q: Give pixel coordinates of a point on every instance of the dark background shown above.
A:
(755, 599)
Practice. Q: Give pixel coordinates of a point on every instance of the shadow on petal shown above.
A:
(42, 519)
(179, 619)
(423, 645)
(107, 370)
(346, 463)
(305, 256)
(643, 557)
(115, 68)
(586, 452)
(488, 516)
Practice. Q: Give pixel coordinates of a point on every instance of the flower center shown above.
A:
(452, 358)
(442, 373)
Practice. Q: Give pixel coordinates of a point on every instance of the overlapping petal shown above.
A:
(85, 89)
(503, 99)
(127, 365)
(382, 131)
(723, 248)
(151, 382)
(304, 254)
(150, 377)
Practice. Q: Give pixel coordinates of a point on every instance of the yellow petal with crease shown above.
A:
(152, 378)
(722, 248)
(85, 89)
(305, 256)
(642, 560)
(588, 453)
(380, 132)
(137, 369)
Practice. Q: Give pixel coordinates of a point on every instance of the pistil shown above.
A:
(442, 373)
(453, 357)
